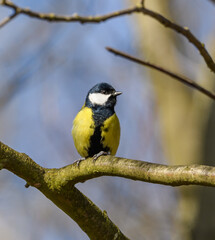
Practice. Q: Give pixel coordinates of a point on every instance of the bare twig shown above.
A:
(186, 33)
(142, 2)
(136, 9)
(176, 76)
(72, 18)
(8, 19)
(213, 1)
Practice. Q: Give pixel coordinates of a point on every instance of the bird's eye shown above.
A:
(103, 92)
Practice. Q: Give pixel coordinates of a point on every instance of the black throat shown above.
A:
(101, 113)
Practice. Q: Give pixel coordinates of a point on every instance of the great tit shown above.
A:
(96, 127)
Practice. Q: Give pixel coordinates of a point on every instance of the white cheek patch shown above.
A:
(98, 98)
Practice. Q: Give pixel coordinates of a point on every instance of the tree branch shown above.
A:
(58, 184)
(135, 170)
(56, 179)
(186, 33)
(136, 9)
(8, 19)
(213, 1)
(72, 18)
(178, 77)
(95, 223)
(142, 2)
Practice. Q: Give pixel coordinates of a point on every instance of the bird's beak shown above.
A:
(117, 93)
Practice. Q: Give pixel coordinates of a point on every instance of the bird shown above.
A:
(96, 127)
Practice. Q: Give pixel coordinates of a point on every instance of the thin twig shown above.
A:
(176, 76)
(142, 2)
(8, 19)
(136, 9)
(186, 33)
(70, 18)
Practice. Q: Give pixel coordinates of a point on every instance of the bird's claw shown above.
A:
(77, 162)
(96, 156)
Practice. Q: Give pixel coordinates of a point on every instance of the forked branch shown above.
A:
(94, 222)
(8, 19)
(97, 19)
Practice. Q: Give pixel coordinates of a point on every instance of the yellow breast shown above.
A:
(82, 130)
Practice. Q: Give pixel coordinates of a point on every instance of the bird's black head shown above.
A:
(102, 95)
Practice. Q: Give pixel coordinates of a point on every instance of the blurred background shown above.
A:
(46, 70)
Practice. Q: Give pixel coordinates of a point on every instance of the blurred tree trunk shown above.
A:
(183, 113)
(204, 224)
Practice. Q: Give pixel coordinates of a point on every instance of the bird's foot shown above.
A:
(77, 162)
(96, 156)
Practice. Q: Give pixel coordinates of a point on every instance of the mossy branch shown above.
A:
(135, 170)
(58, 184)
(94, 222)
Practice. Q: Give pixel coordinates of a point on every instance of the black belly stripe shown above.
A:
(99, 116)
(96, 145)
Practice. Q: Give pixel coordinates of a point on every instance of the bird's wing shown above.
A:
(82, 130)
(111, 133)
